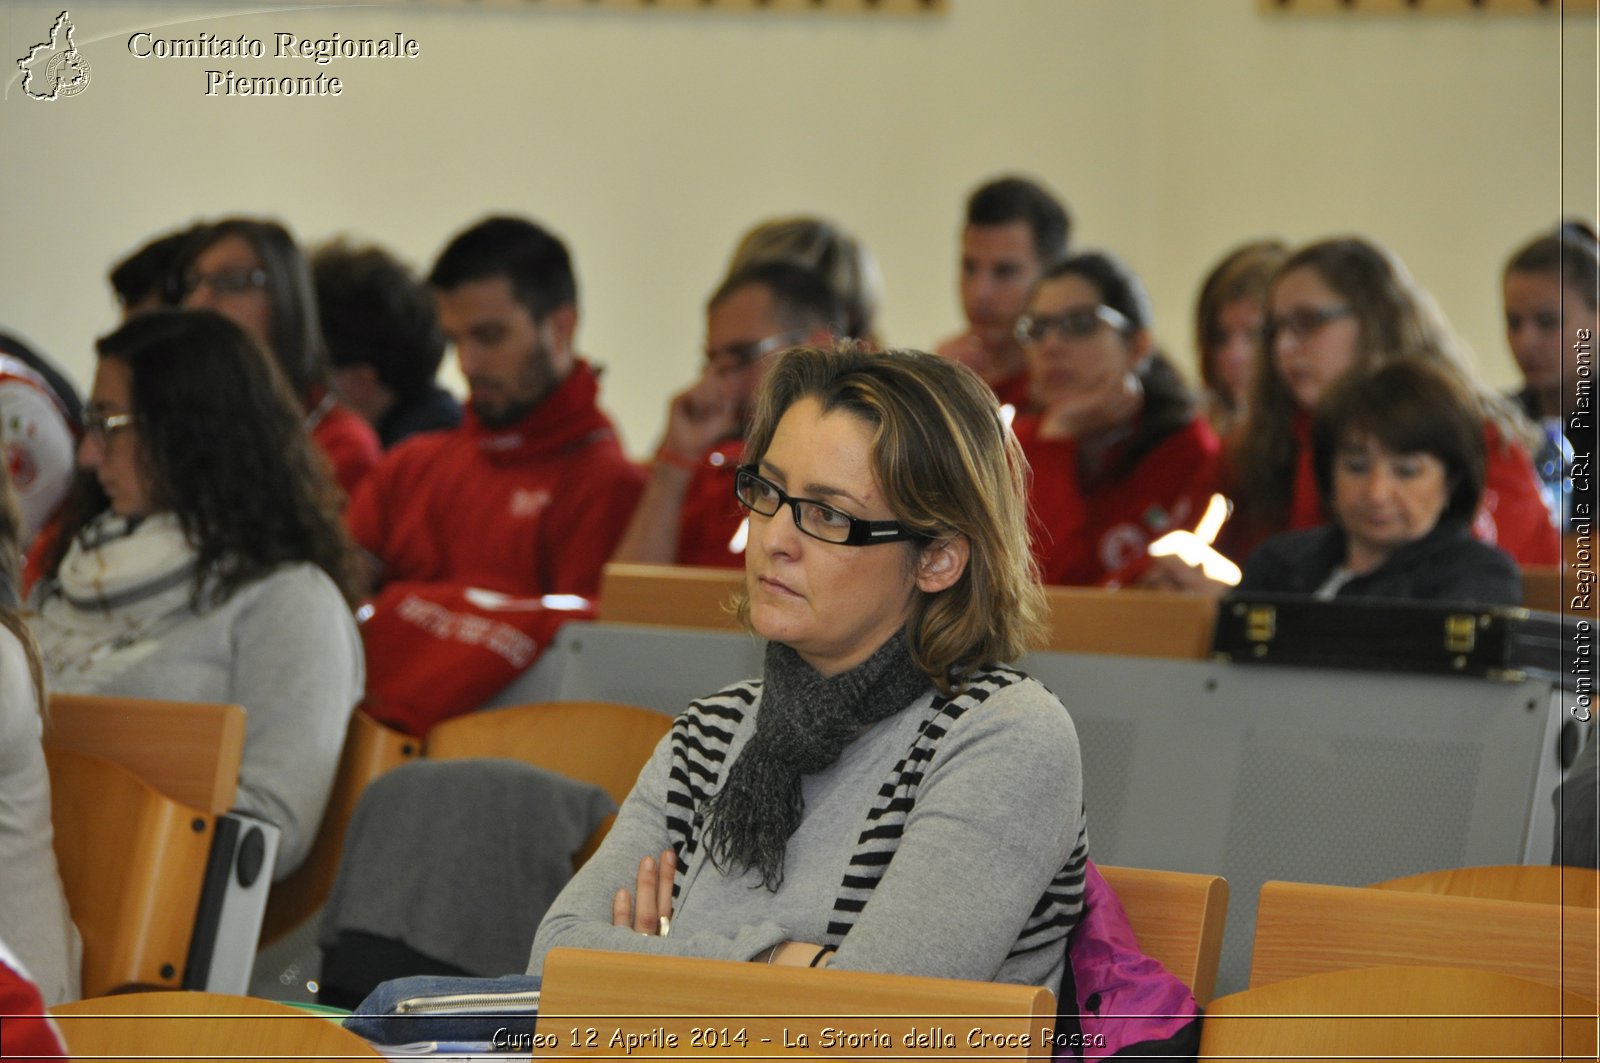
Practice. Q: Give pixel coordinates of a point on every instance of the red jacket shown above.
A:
(1015, 390)
(1086, 532)
(26, 1032)
(529, 510)
(711, 516)
(1511, 514)
(350, 443)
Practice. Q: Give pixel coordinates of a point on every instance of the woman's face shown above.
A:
(114, 452)
(1235, 332)
(1315, 336)
(1064, 365)
(228, 277)
(834, 605)
(1384, 500)
(1535, 303)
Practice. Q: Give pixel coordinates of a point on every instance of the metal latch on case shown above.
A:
(1460, 633)
(1260, 623)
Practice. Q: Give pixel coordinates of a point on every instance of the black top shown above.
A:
(1446, 565)
(434, 409)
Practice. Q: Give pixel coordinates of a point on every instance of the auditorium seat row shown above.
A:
(1393, 971)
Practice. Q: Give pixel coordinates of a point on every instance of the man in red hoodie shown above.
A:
(526, 499)
(1015, 229)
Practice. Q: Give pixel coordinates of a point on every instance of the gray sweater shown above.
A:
(285, 647)
(947, 840)
(33, 910)
(459, 859)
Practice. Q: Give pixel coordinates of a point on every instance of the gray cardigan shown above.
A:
(947, 840)
(286, 648)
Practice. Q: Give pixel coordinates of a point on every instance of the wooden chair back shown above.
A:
(132, 862)
(1393, 1013)
(720, 1008)
(370, 749)
(669, 595)
(188, 750)
(1131, 623)
(1541, 588)
(1178, 918)
(157, 1027)
(599, 742)
(1304, 929)
(1578, 887)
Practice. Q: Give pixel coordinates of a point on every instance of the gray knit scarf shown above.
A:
(805, 722)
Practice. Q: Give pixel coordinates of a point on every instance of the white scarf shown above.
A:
(121, 584)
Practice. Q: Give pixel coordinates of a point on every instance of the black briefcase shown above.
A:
(1499, 642)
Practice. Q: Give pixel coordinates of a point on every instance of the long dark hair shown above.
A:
(226, 451)
(296, 341)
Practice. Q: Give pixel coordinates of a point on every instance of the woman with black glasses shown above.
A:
(888, 796)
(1119, 452)
(1347, 304)
(201, 558)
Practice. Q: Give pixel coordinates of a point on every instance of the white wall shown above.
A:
(651, 139)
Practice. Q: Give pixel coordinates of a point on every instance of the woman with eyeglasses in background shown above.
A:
(1345, 304)
(1398, 456)
(250, 270)
(842, 810)
(202, 558)
(1227, 330)
(1119, 454)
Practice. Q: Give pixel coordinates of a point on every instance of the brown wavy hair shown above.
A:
(1242, 273)
(948, 466)
(296, 343)
(226, 451)
(1397, 321)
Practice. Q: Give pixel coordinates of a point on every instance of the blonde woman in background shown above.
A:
(821, 247)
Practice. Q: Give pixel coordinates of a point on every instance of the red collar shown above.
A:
(569, 417)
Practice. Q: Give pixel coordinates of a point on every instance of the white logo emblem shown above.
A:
(55, 69)
(526, 503)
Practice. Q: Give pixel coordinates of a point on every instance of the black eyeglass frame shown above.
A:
(1301, 324)
(748, 354)
(860, 533)
(1078, 323)
(235, 280)
(101, 427)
